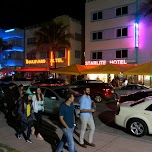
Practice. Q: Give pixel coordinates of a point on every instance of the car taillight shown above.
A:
(118, 109)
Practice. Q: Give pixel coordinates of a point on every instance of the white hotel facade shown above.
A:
(115, 32)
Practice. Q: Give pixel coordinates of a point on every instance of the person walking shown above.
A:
(38, 106)
(86, 118)
(67, 119)
(25, 115)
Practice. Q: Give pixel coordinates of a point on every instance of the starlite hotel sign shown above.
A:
(103, 62)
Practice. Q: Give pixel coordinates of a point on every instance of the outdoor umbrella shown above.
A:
(105, 69)
(74, 69)
(142, 69)
(109, 69)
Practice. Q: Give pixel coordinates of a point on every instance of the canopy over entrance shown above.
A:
(142, 69)
(32, 69)
(75, 69)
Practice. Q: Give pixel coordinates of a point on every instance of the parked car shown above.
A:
(99, 90)
(23, 81)
(135, 116)
(54, 82)
(54, 96)
(130, 88)
(135, 96)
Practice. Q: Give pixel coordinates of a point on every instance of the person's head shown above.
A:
(87, 90)
(38, 91)
(70, 97)
(27, 98)
(20, 87)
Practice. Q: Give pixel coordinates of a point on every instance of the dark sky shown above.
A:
(23, 13)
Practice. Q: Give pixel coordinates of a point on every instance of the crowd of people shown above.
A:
(28, 112)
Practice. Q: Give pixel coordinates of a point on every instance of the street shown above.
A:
(104, 122)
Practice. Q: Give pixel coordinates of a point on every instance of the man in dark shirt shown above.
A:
(66, 117)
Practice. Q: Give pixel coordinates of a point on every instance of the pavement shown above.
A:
(105, 142)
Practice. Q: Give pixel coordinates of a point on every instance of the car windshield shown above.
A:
(63, 91)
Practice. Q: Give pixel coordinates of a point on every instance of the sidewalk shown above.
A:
(104, 142)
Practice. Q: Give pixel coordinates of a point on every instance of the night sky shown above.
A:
(23, 13)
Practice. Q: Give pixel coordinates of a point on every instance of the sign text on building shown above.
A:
(103, 62)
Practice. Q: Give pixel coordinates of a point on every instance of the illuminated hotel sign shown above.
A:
(58, 60)
(136, 34)
(43, 61)
(40, 61)
(103, 62)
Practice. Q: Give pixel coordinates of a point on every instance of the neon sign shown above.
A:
(58, 60)
(103, 62)
(136, 34)
(40, 61)
(43, 61)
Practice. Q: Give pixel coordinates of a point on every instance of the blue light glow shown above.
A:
(136, 34)
(15, 48)
(10, 30)
(12, 37)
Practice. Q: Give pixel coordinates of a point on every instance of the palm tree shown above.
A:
(55, 36)
(146, 8)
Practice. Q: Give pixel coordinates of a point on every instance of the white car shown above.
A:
(135, 116)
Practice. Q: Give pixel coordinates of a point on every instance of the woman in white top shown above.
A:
(38, 107)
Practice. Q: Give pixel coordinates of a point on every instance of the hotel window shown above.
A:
(97, 35)
(77, 37)
(96, 55)
(43, 55)
(31, 40)
(31, 56)
(121, 53)
(97, 16)
(60, 54)
(77, 54)
(122, 11)
(122, 32)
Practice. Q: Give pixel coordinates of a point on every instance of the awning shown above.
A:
(32, 69)
(142, 69)
(75, 69)
(109, 69)
(7, 70)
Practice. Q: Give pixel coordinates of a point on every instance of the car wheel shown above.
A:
(137, 127)
(98, 98)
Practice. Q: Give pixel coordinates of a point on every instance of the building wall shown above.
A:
(109, 24)
(14, 56)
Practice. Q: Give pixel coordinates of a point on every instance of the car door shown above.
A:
(148, 114)
(51, 101)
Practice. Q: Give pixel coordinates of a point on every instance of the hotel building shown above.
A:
(117, 32)
(39, 56)
(13, 57)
